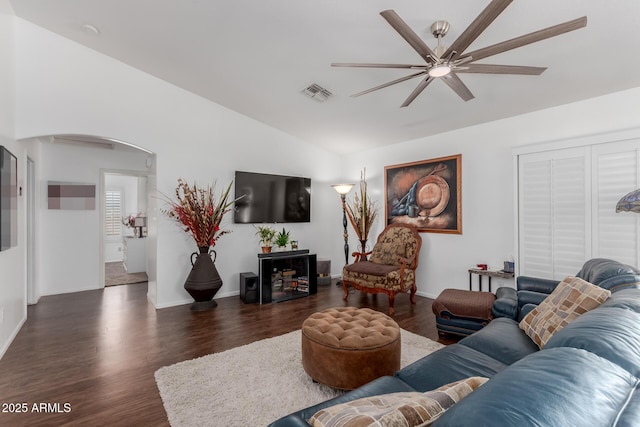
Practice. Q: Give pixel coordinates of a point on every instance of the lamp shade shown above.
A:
(342, 188)
(630, 202)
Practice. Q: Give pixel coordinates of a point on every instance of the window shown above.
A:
(554, 213)
(113, 213)
(567, 207)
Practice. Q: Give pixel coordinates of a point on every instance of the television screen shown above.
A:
(271, 198)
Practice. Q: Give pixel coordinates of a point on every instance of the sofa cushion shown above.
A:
(610, 274)
(610, 332)
(506, 303)
(502, 340)
(552, 387)
(396, 409)
(571, 298)
(598, 270)
(370, 268)
(624, 298)
(531, 297)
(451, 363)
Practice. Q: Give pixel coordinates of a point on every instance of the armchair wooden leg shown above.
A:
(345, 286)
(412, 296)
(392, 298)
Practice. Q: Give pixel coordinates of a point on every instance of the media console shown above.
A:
(287, 275)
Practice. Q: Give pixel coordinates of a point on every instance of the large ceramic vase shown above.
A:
(203, 281)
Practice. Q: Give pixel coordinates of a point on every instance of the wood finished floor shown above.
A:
(98, 350)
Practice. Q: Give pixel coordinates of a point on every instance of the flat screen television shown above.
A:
(271, 198)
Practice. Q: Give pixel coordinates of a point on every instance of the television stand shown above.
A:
(287, 275)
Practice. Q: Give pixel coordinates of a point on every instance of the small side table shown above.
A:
(488, 273)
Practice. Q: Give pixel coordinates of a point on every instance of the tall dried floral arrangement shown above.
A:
(362, 211)
(197, 212)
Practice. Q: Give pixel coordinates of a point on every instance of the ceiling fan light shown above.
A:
(439, 70)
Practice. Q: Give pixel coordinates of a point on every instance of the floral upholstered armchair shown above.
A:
(391, 266)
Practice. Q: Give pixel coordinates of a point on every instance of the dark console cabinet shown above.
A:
(287, 275)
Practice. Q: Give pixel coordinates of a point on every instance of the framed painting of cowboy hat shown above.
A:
(426, 194)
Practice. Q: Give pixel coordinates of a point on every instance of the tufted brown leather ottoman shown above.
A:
(347, 347)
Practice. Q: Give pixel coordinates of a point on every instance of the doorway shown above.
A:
(124, 219)
(32, 294)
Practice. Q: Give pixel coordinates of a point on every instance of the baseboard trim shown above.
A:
(13, 336)
(173, 303)
(68, 291)
(426, 294)
(189, 301)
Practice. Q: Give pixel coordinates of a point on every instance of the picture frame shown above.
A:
(426, 194)
(8, 199)
(71, 196)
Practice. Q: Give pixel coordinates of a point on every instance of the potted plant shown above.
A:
(282, 238)
(266, 234)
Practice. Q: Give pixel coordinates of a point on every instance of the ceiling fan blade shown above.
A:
(364, 65)
(409, 35)
(486, 17)
(458, 86)
(501, 69)
(382, 86)
(417, 91)
(536, 36)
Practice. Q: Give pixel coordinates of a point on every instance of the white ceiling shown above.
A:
(256, 56)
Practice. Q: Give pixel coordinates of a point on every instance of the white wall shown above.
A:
(66, 88)
(69, 240)
(12, 261)
(488, 181)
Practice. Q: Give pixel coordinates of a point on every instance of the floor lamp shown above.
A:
(343, 189)
(629, 203)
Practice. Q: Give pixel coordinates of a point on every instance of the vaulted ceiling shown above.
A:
(255, 57)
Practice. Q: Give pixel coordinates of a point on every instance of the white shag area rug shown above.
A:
(252, 385)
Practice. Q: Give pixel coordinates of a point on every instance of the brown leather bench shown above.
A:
(347, 347)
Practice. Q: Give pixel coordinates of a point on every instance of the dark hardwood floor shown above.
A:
(98, 350)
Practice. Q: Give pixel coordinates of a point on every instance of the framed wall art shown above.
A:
(71, 196)
(426, 194)
(8, 199)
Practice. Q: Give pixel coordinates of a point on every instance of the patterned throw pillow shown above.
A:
(571, 298)
(396, 409)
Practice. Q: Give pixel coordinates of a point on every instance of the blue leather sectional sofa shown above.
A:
(588, 374)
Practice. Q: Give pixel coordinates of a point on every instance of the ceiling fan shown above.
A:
(446, 63)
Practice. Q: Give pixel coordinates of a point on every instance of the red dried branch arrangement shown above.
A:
(197, 212)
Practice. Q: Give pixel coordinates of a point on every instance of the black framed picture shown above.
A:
(8, 199)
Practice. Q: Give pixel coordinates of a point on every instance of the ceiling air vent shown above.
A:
(317, 92)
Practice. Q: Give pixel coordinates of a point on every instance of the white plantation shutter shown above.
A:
(616, 234)
(113, 213)
(571, 216)
(567, 208)
(553, 214)
(535, 223)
